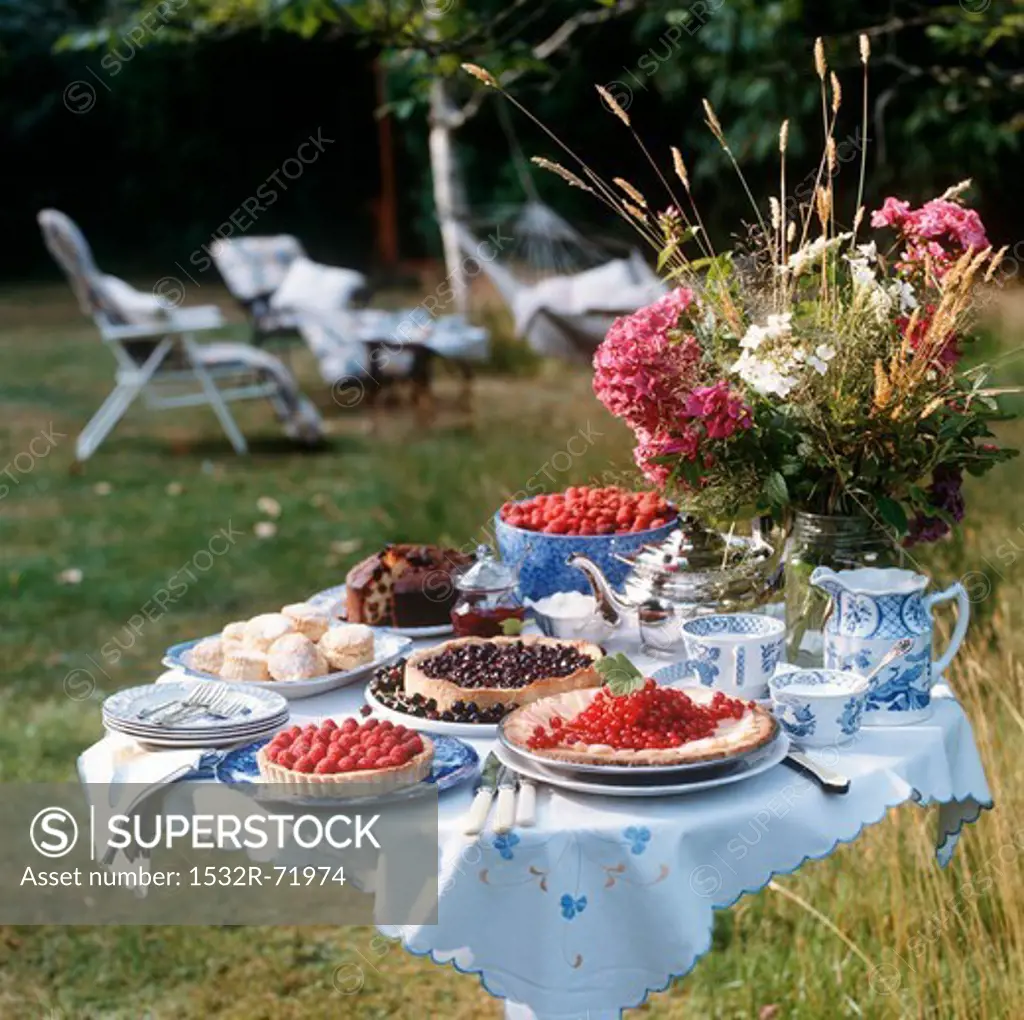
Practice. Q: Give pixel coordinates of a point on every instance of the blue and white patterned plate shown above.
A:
(258, 705)
(454, 763)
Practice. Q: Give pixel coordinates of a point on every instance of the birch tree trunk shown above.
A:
(449, 194)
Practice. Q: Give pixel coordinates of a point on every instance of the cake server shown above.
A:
(476, 819)
(826, 778)
(505, 817)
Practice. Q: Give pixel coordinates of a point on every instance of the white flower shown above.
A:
(868, 251)
(825, 351)
(812, 253)
(777, 327)
(753, 338)
(763, 376)
(904, 293)
(862, 273)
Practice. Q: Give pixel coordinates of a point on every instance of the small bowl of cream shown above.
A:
(570, 615)
(818, 707)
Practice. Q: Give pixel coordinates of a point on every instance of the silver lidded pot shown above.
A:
(694, 572)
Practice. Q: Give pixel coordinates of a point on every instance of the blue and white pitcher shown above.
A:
(872, 608)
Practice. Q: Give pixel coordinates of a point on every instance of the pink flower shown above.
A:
(720, 410)
(644, 367)
(660, 444)
(892, 213)
(940, 229)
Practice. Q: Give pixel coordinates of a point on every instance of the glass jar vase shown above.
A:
(821, 540)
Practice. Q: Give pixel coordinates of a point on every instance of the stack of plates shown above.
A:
(252, 713)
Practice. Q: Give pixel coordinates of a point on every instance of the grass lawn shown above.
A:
(163, 485)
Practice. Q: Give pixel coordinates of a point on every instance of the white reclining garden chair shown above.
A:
(158, 357)
(284, 292)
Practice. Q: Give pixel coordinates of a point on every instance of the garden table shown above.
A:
(531, 912)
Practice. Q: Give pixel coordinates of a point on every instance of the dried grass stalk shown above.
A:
(633, 193)
(613, 105)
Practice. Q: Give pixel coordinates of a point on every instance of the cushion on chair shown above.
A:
(309, 286)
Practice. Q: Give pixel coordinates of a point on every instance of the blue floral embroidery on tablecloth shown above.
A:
(504, 843)
(638, 836)
(571, 907)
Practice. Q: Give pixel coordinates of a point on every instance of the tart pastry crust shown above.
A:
(447, 692)
(363, 782)
(754, 729)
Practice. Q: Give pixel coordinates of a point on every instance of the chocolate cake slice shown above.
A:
(404, 586)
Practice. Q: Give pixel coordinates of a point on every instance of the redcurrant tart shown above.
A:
(355, 759)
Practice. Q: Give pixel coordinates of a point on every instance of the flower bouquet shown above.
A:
(812, 368)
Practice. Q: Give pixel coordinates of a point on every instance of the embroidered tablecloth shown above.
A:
(655, 870)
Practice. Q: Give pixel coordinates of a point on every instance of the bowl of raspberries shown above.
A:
(538, 534)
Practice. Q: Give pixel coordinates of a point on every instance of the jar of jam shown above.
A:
(486, 598)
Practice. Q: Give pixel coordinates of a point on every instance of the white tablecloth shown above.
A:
(531, 912)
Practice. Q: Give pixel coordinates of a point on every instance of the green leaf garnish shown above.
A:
(511, 627)
(620, 675)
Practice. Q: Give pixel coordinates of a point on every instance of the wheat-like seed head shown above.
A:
(560, 171)
(791, 231)
(858, 219)
(823, 201)
(637, 214)
(481, 74)
(953, 193)
(837, 92)
(996, 262)
(713, 123)
(776, 209)
(631, 191)
(819, 58)
(680, 167)
(883, 387)
(830, 154)
(865, 49)
(783, 136)
(613, 104)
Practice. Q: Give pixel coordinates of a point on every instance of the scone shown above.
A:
(347, 645)
(295, 657)
(244, 664)
(233, 634)
(207, 656)
(309, 620)
(263, 630)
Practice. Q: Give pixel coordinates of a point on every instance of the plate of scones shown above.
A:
(299, 651)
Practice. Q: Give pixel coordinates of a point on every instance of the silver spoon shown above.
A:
(897, 651)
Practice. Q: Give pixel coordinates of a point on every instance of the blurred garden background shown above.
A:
(150, 125)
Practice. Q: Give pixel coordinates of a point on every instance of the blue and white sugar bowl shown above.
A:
(819, 707)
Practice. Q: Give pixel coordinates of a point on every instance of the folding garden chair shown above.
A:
(158, 357)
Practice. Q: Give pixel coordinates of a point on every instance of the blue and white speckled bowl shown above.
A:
(541, 558)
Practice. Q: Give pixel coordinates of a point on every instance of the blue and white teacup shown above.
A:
(735, 653)
(819, 707)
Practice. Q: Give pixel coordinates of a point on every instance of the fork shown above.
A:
(177, 705)
(208, 702)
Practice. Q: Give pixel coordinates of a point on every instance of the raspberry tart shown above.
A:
(650, 726)
(501, 670)
(332, 760)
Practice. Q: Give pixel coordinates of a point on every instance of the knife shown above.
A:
(526, 805)
(508, 783)
(477, 817)
(829, 781)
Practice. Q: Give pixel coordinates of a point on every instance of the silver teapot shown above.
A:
(694, 572)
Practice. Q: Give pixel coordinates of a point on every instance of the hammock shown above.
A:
(565, 314)
(563, 289)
